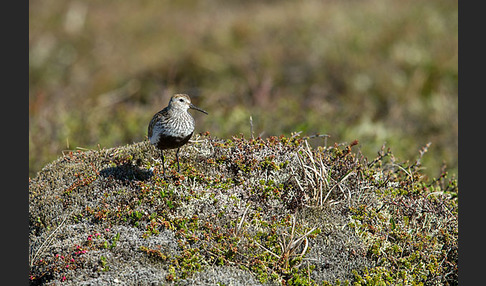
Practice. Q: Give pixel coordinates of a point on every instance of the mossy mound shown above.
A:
(241, 212)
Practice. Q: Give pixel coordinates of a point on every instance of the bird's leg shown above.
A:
(177, 157)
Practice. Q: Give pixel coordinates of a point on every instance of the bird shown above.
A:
(173, 126)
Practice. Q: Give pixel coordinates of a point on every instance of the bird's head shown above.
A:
(183, 102)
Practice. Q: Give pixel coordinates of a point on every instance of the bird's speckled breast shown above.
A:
(170, 131)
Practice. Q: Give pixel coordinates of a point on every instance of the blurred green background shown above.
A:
(377, 71)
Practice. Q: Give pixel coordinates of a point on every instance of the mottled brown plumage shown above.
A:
(173, 126)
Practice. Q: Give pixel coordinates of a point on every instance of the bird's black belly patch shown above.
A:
(171, 142)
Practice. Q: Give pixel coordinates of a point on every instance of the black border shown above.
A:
(15, 144)
(471, 126)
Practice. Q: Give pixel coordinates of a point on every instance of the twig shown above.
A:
(264, 248)
(251, 127)
(298, 241)
(48, 238)
(242, 220)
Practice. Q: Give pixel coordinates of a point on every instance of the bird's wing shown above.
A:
(156, 122)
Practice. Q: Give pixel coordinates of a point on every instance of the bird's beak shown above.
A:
(192, 106)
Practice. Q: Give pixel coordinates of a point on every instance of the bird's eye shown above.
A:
(181, 100)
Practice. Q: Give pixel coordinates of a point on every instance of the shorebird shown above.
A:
(173, 126)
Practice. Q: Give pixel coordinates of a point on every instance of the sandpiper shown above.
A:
(173, 126)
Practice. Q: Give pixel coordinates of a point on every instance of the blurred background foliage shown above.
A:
(373, 70)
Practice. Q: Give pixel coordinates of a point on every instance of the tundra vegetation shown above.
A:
(254, 211)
